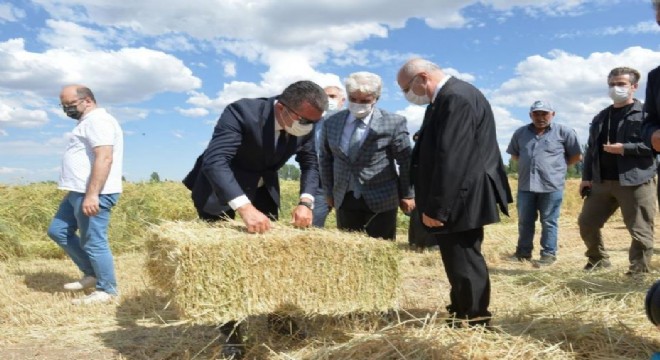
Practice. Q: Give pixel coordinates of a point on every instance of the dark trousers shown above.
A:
(418, 237)
(467, 273)
(355, 215)
(638, 207)
(262, 201)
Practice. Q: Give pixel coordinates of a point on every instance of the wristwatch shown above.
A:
(308, 204)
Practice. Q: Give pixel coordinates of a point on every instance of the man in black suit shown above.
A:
(237, 173)
(651, 124)
(459, 180)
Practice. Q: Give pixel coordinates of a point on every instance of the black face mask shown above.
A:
(72, 112)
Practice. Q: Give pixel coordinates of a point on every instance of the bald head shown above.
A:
(418, 79)
(77, 100)
(417, 66)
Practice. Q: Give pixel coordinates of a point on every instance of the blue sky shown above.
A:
(167, 68)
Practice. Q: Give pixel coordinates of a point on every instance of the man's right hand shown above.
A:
(331, 201)
(655, 140)
(584, 184)
(254, 219)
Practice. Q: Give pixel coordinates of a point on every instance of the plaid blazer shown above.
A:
(386, 145)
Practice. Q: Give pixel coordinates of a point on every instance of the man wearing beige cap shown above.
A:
(544, 152)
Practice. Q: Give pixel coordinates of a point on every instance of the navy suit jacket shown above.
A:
(242, 151)
(457, 168)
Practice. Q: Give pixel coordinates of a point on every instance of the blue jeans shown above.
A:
(90, 251)
(530, 205)
(321, 209)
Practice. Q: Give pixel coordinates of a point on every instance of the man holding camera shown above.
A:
(619, 170)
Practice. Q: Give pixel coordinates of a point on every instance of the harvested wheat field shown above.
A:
(557, 312)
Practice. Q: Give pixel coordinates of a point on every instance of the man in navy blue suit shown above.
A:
(237, 173)
(253, 139)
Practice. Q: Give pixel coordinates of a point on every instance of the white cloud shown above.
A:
(69, 35)
(178, 134)
(49, 147)
(414, 115)
(9, 13)
(23, 118)
(126, 114)
(175, 43)
(126, 75)
(10, 171)
(192, 112)
(575, 85)
(229, 68)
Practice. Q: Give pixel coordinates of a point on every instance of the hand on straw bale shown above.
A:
(254, 219)
(301, 216)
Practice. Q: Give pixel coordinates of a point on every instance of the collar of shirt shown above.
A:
(439, 86)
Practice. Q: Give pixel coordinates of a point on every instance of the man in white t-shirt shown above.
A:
(91, 173)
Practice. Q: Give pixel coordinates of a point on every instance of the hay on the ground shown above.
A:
(216, 273)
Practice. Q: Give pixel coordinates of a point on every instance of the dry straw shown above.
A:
(216, 273)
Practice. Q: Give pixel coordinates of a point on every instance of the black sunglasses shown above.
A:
(301, 120)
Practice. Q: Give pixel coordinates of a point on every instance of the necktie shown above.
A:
(354, 143)
(280, 148)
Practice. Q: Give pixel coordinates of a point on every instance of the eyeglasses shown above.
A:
(76, 103)
(301, 120)
(407, 88)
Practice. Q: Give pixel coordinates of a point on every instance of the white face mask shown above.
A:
(296, 129)
(619, 94)
(416, 99)
(333, 104)
(359, 110)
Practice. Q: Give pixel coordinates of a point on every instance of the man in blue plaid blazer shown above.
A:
(359, 153)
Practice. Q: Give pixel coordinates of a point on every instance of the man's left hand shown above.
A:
(302, 216)
(431, 222)
(616, 149)
(90, 205)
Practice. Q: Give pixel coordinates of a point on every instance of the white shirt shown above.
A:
(96, 128)
(439, 86)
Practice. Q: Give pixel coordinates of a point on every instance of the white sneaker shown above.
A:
(97, 297)
(84, 283)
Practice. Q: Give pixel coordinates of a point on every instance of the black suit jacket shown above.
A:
(242, 151)
(651, 106)
(457, 170)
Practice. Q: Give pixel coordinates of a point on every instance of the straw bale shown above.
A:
(218, 272)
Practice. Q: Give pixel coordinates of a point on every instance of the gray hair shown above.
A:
(304, 91)
(417, 65)
(624, 70)
(84, 92)
(364, 82)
